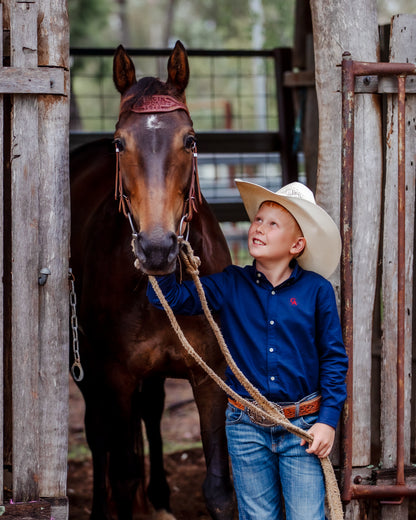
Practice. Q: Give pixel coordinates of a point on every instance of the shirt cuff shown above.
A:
(328, 415)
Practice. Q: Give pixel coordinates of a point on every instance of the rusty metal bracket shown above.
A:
(350, 70)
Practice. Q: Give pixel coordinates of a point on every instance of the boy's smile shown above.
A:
(273, 236)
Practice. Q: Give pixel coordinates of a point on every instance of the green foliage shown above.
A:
(220, 24)
(212, 24)
(89, 22)
(279, 23)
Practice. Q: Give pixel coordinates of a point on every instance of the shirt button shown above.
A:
(258, 275)
(257, 281)
(273, 292)
(271, 349)
(272, 378)
(271, 322)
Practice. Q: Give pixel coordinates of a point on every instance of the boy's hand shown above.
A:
(323, 439)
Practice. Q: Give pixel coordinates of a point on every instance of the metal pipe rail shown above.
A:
(350, 70)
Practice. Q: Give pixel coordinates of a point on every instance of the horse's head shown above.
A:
(155, 142)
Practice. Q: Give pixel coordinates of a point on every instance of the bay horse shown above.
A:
(127, 347)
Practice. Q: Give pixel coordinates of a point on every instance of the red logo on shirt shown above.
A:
(293, 301)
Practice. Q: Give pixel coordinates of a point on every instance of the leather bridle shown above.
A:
(151, 105)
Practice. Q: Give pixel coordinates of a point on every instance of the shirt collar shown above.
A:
(261, 280)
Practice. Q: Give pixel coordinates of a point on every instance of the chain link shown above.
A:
(76, 369)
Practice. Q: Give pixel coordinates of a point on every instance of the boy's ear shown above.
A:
(298, 246)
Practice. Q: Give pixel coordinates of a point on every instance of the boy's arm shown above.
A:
(180, 297)
(183, 297)
(333, 360)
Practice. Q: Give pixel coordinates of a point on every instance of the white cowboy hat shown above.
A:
(323, 241)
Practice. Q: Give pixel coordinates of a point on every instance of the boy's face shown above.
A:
(274, 235)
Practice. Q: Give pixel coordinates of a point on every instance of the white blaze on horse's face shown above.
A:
(154, 123)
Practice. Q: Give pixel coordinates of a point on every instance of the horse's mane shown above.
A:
(147, 86)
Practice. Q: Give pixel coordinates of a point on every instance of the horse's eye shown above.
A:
(189, 142)
(118, 143)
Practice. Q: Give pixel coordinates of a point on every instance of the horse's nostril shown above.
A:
(173, 247)
(157, 251)
(137, 248)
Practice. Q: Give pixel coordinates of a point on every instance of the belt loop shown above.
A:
(297, 409)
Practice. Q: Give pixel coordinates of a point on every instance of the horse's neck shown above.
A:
(208, 241)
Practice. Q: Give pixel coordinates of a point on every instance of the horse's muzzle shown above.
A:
(156, 252)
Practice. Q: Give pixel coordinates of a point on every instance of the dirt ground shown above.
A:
(184, 460)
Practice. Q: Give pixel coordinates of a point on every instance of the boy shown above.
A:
(280, 322)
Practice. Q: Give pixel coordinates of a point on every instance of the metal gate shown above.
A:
(396, 479)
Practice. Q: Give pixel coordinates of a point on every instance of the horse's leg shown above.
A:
(114, 436)
(126, 461)
(217, 488)
(96, 431)
(152, 405)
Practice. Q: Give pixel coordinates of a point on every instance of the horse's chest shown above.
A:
(155, 347)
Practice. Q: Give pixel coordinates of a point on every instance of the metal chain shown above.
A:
(76, 370)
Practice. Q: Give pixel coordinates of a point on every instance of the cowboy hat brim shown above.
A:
(323, 241)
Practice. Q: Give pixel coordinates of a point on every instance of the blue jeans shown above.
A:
(269, 462)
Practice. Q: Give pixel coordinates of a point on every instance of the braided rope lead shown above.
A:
(267, 409)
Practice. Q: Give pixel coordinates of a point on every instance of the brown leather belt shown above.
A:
(292, 410)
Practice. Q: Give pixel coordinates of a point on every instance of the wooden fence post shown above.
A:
(54, 233)
(351, 25)
(24, 260)
(34, 222)
(1, 282)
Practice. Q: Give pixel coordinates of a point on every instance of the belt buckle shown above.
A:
(259, 419)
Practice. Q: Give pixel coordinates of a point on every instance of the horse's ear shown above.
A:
(178, 68)
(124, 73)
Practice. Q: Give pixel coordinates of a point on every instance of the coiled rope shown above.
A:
(267, 409)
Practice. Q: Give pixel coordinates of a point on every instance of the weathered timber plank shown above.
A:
(27, 511)
(403, 48)
(24, 261)
(15, 80)
(363, 84)
(54, 232)
(303, 78)
(59, 507)
(53, 35)
(337, 27)
(383, 85)
(2, 277)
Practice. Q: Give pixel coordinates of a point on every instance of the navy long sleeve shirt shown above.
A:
(286, 340)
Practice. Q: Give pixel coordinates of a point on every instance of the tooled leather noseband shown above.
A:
(151, 105)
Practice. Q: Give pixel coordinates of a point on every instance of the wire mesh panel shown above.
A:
(227, 90)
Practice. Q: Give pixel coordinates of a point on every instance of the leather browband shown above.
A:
(158, 103)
